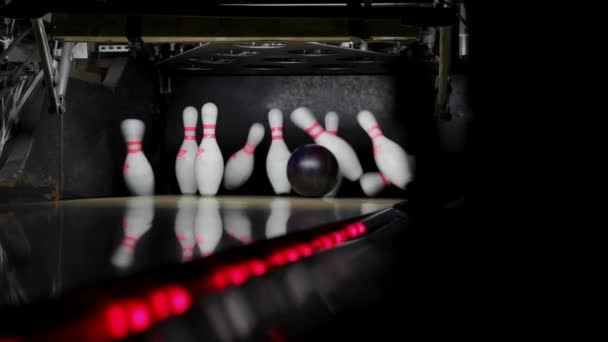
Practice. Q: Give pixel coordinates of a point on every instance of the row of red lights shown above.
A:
(133, 315)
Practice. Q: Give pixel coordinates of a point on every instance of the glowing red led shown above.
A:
(352, 231)
(291, 254)
(237, 274)
(118, 325)
(180, 299)
(338, 237)
(304, 250)
(257, 267)
(361, 227)
(326, 242)
(277, 259)
(159, 301)
(139, 316)
(219, 280)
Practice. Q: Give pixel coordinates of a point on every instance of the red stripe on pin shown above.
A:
(208, 126)
(379, 134)
(332, 132)
(134, 142)
(189, 137)
(318, 134)
(277, 137)
(210, 135)
(190, 128)
(276, 129)
(135, 150)
(384, 180)
(312, 127)
(370, 129)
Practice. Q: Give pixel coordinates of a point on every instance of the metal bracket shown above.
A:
(57, 105)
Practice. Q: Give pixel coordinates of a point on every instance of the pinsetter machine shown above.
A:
(89, 254)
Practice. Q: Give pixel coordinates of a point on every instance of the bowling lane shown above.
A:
(51, 248)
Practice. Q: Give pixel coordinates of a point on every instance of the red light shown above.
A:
(292, 255)
(305, 250)
(352, 231)
(338, 237)
(326, 242)
(180, 299)
(139, 316)
(117, 321)
(257, 267)
(362, 228)
(277, 259)
(160, 304)
(237, 275)
(219, 280)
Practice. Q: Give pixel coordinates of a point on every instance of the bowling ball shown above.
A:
(312, 170)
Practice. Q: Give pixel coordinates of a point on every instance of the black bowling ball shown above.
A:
(312, 170)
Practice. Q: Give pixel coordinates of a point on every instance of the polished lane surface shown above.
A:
(47, 249)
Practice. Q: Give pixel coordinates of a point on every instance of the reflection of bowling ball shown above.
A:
(312, 170)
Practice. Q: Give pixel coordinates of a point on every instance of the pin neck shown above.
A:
(209, 131)
(334, 132)
(277, 132)
(374, 132)
(249, 148)
(315, 130)
(134, 146)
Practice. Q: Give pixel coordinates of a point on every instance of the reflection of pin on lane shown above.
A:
(237, 223)
(276, 225)
(137, 221)
(370, 207)
(137, 172)
(184, 226)
(207, 225)
(350, 166)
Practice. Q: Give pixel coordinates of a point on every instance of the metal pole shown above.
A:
(444, 65)
(47, 66)
(64, 67)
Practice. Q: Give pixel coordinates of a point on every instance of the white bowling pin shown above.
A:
(390, 158)
(237, 223)
(278, 155)
(276, 225)
(136, 222)
(240, 165)
(372, 183)
(184, 226)
(207, 225)
(137, 172)
(350, 167)
(186, 156)
(209, 164)
(331, 127)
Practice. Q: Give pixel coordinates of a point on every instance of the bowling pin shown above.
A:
(184, 225)
(137, 172)
(276, 225)
(186, 156)
(209, 164)
(136, 222)
(350, 167)
(331, 127)
(240, 165)
(372, 183)
(207, 225)
(278, 155)
(390, 158)
(237, 223)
